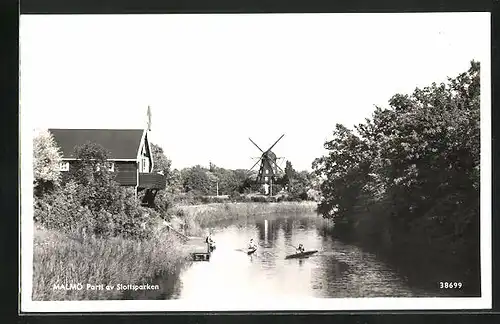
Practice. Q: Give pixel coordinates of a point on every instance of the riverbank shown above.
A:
(196, 217)
(62, 259)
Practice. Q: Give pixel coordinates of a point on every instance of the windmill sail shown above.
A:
(268, 167)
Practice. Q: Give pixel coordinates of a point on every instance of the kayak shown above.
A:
(301, 254)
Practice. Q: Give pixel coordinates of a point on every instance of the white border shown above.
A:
(263, 304)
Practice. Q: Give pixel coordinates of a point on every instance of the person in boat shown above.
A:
(210, 242)
(300, 249)
(252, 245)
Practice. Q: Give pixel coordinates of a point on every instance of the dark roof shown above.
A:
(120, 143)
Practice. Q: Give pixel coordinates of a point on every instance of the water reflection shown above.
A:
(337, 270)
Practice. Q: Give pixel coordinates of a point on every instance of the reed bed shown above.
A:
(196, 217)
(62, 259)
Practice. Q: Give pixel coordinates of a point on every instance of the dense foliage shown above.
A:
(89, 200)
(298, 184)
(161, 163)
(46, 159)
(411, 173)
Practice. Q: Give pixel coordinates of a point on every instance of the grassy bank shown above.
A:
(71, 259)
(198, 216)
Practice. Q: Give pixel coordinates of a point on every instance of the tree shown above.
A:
(96, 186)
(161, 162)
(212, 183)
(211, 167)
(417, 160)
(289, 174)
(229, 180)
(175, 182)
(297, 183)
(46, 160)
(196, 180)
(241, 176)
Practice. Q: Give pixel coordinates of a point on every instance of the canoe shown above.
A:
(250, 251)
(301, 254)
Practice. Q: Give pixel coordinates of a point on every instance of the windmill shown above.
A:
(268, 167)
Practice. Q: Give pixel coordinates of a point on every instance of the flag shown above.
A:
(149, 118)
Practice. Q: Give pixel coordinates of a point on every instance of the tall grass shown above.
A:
(71, 259)
(198, 216)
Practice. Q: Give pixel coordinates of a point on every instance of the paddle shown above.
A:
(245, 250)
(294, 247)
(307, 254)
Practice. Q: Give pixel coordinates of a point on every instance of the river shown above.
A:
(337, 270)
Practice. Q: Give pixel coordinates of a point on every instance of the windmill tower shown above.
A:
(268, 170)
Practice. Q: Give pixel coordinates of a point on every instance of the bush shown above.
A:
(59, 209)
(62, 210)
(91, 201)
(262, 199)
(237, 197)
(163, 203)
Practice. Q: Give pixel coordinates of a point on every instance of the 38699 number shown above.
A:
(450, 285)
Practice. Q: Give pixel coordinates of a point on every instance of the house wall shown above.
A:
(146, 159)
(126, 173)
(124, 166)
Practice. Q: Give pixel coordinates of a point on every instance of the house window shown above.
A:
(144, 165)
(110, 166)
(267, 171)
(266, 179)
(64, 166)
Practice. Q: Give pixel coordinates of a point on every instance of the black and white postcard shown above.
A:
(255, 162)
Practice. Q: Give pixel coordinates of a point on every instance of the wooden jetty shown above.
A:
(197, 245)
(199, 249)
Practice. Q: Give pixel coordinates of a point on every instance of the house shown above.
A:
(129, 156)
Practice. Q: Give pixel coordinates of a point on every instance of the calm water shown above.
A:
(337, 270)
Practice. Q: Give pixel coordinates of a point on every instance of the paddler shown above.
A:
(210, 242)
(252, 245)
(300, 249)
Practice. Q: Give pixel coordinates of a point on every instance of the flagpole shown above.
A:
(149, 118)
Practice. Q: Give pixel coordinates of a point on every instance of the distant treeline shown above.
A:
(406, 182)
(199, 184)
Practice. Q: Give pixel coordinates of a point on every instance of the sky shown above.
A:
(213, 81)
